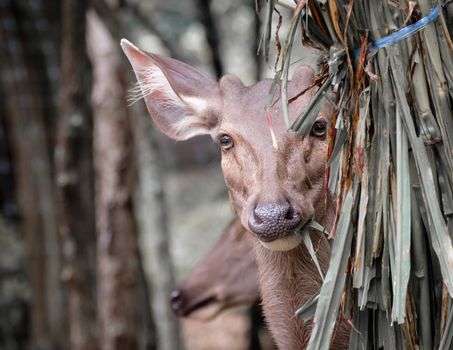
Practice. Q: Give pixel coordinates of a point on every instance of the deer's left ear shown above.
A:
(182, 101)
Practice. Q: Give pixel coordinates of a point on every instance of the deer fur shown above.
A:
(263, 167)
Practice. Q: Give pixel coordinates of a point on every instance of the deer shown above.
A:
(226, 277)
(275, 177)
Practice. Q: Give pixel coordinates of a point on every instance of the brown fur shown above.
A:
(287, 280)
(258, 173)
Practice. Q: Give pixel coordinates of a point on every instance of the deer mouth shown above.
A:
(285, 242)
(202, 309)
(208, 308)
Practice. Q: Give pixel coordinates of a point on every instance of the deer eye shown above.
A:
(319, 128)
(225, 141)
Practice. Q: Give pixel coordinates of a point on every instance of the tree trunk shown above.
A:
(22, 78)
(212, 35)
(118, 264)
(154, 233)
(74, 166)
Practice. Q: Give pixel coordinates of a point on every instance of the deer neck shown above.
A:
(287, 279)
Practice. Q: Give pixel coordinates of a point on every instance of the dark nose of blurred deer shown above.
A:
(274, 220)
(177, 302)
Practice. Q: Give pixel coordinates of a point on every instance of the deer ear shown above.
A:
(182, 101)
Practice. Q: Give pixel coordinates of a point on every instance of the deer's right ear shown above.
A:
(182, 101)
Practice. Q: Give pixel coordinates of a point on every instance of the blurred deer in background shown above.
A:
(226, 277)
(275, 178)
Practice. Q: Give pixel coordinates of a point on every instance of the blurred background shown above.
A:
(101, 216)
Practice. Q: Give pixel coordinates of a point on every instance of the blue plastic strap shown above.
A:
(403, 33)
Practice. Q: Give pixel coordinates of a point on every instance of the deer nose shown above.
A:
(177, 302)
(274, 220)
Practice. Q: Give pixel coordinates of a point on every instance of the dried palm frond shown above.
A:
(390, 64)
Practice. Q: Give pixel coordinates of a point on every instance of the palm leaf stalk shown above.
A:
(390, 65)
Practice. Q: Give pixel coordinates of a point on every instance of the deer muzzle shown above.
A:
(274, 221)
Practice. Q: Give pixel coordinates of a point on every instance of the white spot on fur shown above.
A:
(197, 104)
(190, 126)
(193, 123)
(283, 244)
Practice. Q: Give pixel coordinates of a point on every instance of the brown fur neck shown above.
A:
(287, 279)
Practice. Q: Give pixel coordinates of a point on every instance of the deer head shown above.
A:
(275, 184)
(226, 277)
